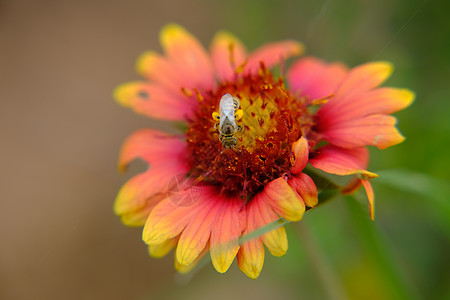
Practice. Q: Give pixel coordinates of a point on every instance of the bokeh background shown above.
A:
(61, 132)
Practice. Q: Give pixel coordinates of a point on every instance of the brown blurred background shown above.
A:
(61, 133)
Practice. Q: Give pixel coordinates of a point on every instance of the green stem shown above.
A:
(374, 242)
(325, 273)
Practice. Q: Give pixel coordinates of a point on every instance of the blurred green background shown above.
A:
(61, 132)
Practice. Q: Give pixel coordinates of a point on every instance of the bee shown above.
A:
(229, 113)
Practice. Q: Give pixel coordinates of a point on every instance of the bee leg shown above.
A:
(240, 128)
(238, 114)
(216, 116)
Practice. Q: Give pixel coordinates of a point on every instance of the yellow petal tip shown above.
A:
(251, 270)
(224, 35)
(184, 256)
(145, 61)
(368, 174)
(383, 68)
(222, 262)
(161, 250)
(298, 48)
(276, 241)
(221, 267)
(183, 269)
(153, 237)
(171, 31)
(407, 97)
(124, 93)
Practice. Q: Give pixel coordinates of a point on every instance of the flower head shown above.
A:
(238, 167)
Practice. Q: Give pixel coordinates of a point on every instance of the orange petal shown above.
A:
(342, 161)
(276, 241)
(250, 258)
(251, 254)
(183, 269)
(198, 230)
(166, 221)
(284, 200)
(363, 78)
(138, 196)
(185, 51)
(225, 233)
(375, 130)
(305, 187)
(272, 54)
(314, 78)
(154, 101)
(301, 151)
(162, 249)
(352, 186)
(370, 197)
(387, 100)
(227, 53)
(160, 70)
(156, 148)
(261, 213)
(134, 213)
(378, 101)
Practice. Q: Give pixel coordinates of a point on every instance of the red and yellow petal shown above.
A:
(154, 101)
(156, 148)
(227, 53)
(138, 196)
(354, 185)
(133, 212)
(166, 157)
(162, 249)
(184, 50)
(370, 197)
(315, 79)
(356, 115)
(378, 101)
(305, 187)
(374, 130)
(276, 239)
(225, 234)
(387, 100)
(272, 54)
(335, 160)
(301, 151)
(284, 200)
(250, 258)
(161, 71)
(166, 221)
(183, 269)
(194, 237)
(362, 78)
(340, 161)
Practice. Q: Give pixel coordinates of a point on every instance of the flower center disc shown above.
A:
(272, 120)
